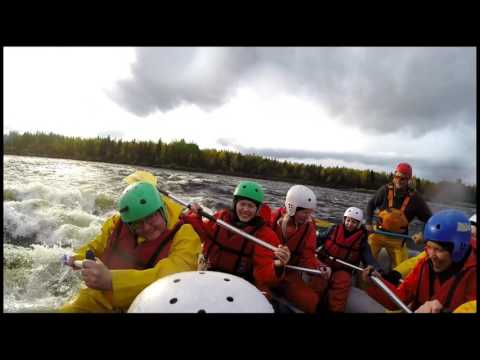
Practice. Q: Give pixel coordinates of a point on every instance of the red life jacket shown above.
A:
(451, 294)
(123, 252)
(229, 252)
(296, 242)
(344, 248)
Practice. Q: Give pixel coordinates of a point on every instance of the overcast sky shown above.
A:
(365, 108)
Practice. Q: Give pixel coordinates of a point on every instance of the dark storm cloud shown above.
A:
(164, 78)
(380, 90)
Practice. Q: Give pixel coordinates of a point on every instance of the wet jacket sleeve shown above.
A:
(420, 209)
(183, 256)
(204, 228)
(405, 291)
(375, 202)
(406, 266)
(264, 271)
(98, 244)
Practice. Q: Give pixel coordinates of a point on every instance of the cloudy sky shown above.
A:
(365, 108)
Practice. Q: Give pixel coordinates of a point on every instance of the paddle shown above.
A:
(393, 235)
(78, 263)
(146, 176)
(377, 282)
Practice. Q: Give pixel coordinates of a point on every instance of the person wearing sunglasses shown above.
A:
(145, 241)
(398, 204)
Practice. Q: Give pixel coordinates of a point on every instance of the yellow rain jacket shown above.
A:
(406, 266)
(127, 284)
(468, 307)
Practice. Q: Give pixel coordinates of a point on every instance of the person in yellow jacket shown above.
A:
(399, 204)
(145, 241)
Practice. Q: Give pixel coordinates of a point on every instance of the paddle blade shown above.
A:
(141, 176)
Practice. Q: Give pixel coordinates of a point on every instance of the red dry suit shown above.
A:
(301, 240)
(346, 246)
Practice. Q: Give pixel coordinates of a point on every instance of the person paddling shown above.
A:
(146, 240)
(402, 270)
(347, 242)
(447, 277)
(294, 227)
(232, 253)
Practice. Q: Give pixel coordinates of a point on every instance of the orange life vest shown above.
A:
(392, 219)
(123, 252)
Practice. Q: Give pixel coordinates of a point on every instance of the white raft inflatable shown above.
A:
(201, 292)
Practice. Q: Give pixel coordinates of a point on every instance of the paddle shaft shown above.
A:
(222, 223)
(393, 235)
(307, 270)
(390, 294)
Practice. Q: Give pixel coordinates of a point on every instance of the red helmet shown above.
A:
(404, 169)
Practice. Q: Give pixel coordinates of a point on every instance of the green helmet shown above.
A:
(250, 190)
(139, 201)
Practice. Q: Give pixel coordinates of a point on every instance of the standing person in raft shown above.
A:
(347, 241)
(145, 241)
(399, 204)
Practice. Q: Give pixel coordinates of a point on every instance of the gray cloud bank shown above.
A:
(435, 169)
(380, 90)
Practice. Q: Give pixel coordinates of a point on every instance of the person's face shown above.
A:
(246, 210)
(151, 227)
(400, 181)
(302, 216)
(441, 258)
(350, 223)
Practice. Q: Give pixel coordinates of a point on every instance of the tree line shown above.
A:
(181, 155)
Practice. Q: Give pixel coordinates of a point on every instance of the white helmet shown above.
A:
(354, 213)
(300, 196)
(201, 291)
(473, 219)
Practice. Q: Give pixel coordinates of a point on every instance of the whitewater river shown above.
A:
(51, 206)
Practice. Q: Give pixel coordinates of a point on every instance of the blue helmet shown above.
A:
(449, 226)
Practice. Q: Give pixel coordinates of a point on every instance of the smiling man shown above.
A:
(447, 277)
(145, 241)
